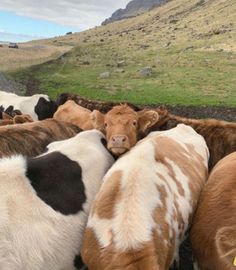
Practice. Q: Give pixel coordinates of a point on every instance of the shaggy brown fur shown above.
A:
(75, 114)
(31, 139)
(213, 233)
(24, 118)
(16, 119)
(103, 107)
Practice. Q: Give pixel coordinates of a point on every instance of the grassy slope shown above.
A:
(190, 71)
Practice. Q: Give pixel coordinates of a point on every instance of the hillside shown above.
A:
(133, 8)
(187, 46)
(28, 54)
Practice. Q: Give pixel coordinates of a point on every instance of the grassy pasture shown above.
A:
(190, 46)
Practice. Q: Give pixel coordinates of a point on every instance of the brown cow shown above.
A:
(31, 139)
(74, 114)
(24, 118)
(16, 119)
(213, 233)
(123, 126)
(219, 135)
(102, 106)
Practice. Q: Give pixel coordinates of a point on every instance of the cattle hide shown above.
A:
(146, 203)
(101, 106)
(38, 106)
(31, 139)
(213, 233)
(220, 136)
(45, 202)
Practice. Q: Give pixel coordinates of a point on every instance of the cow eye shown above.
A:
(135, 123)
(105, 125)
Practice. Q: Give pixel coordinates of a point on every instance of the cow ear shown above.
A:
(97, 119)
(147, 119)
(6, 116)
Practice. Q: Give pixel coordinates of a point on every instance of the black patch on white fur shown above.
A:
(57, 180)
(45, 109)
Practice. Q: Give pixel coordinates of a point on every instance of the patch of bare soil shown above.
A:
(8, 85)
(222, 113)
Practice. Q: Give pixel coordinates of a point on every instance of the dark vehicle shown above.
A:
(13, 45)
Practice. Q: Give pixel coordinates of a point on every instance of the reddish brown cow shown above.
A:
(123, 126)
(219, 135)
(102, 106)
(16, 119)
(213, 233)
(31, 139)
(24, 118)
(73, 113)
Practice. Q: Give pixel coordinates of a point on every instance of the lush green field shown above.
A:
(190, 45)
(187, 78)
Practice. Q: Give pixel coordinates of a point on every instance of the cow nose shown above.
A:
(119, 139)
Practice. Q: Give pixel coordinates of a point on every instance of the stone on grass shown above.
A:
(105, 74)
(145, 72)
(121, 63)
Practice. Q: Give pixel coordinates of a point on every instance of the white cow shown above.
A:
(146, 202)
(38, 106)
(44, 202)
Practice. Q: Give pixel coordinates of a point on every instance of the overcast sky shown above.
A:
(75, 15)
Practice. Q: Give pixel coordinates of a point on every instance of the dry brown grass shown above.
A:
(190, 44)
(28, 54)
(181, 22)
(197, 21)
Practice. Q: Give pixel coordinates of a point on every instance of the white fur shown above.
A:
(33, 236)
(133, 222)
(25, 104)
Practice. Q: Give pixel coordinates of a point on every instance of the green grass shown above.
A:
(183, 78)
(190, 71)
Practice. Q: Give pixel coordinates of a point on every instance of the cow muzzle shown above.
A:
(118, 144)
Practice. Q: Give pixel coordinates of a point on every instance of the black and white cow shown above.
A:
(44, 202)
(38, 106)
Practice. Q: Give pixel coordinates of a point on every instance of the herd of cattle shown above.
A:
(113, 187)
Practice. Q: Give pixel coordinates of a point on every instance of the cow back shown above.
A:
(213, 233)
(31, 139)
(146, 202)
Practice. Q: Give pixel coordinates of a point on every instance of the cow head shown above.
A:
(123, 126)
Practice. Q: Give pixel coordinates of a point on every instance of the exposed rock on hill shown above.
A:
(133, 8)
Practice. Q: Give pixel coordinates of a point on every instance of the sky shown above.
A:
(23, 20)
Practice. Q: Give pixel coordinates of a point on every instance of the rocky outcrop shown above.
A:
(133, 8)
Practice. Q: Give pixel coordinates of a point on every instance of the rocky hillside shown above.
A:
(183, 52)
(133, 8)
